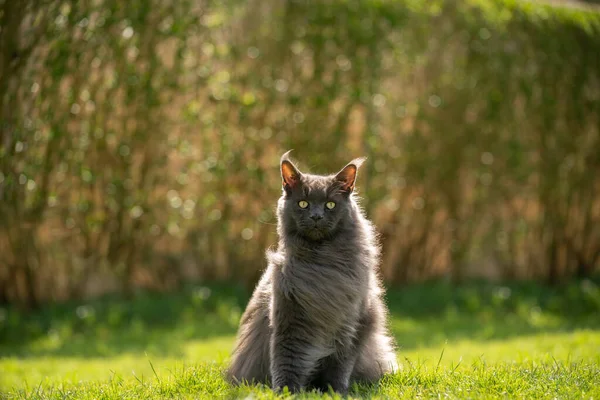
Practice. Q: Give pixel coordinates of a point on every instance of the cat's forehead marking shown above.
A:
(316, 185)
(306, 190)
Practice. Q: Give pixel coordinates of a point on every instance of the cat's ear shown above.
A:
(289, 173)
(347, 176)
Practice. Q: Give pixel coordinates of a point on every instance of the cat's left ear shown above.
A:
(347, 176)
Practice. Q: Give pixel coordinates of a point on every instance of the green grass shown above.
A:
(474, 341)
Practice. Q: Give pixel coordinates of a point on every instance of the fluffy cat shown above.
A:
(316, 318)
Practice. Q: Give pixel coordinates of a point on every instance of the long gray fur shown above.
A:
(316, 318)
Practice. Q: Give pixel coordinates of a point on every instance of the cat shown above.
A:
(316, 318)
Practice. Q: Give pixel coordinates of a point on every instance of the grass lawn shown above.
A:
(473, 341)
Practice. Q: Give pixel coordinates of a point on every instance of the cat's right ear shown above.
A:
(347, 176)
(289, 173)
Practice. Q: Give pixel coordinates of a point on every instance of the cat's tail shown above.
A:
(377, 358)
(250, 361)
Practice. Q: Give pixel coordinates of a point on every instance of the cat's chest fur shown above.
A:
(330, 288)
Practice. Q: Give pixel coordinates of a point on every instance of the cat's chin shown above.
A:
(314, 235)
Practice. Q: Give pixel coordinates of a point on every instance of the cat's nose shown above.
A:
(316, 217)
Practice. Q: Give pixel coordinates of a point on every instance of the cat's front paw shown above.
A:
(282, 384)
(290, 389)
(338, 387)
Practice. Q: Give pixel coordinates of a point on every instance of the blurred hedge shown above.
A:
(140, 140)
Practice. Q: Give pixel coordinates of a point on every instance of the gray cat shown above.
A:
(317, 318)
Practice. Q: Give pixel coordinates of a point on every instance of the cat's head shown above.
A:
(315, 207)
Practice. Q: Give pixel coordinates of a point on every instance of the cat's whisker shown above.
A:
(265, 222)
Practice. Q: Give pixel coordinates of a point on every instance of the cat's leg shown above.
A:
(294, 349)
(335, 371)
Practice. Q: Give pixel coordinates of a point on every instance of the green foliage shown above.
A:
(476, 340)
(139, 141)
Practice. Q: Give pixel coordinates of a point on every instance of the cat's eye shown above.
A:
(303, 203)
(330, 205)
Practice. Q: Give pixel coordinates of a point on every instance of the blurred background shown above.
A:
(140, 140)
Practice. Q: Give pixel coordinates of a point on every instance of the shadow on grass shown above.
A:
(422, 315)
(157, 323)
(433, 313)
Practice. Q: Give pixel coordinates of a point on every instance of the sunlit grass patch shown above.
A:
(471, 341)
(429, 379)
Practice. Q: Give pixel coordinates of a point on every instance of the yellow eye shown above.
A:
(303, 204)
(330, 205)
